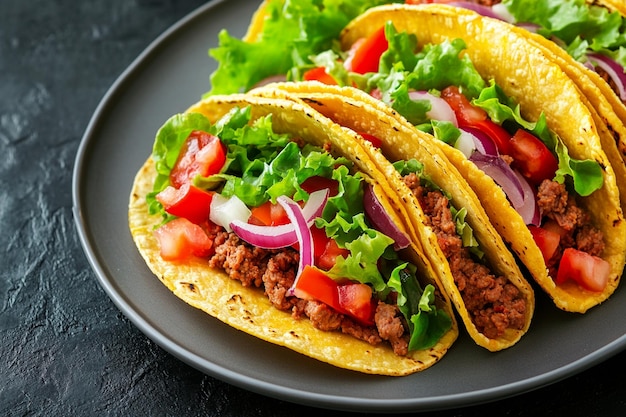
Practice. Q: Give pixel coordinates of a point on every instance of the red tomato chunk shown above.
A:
(201, 154)
(181, 239)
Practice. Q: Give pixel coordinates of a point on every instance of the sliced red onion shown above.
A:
(275, 237)
(266, 237)
(381, 220)
(305, 238)
(224, 211)
(484, 144)
(529, 210)
(502, 12)
(466, 143)
(613, 69)
(439, 109)
(502, 174)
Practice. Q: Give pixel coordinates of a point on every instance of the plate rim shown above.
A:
(248, 382)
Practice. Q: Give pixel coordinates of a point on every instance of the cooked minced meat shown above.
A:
(493, 303)
(274, 272)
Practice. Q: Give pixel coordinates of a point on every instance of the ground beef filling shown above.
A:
(493, 303)
(558, 206)
(273, 271)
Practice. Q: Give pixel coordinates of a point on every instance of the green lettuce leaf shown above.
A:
(577, 25)
(362, 263)
(293, 31)
(586, 175)
(427, 323)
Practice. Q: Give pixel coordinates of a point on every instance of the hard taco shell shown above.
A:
(527, 74)
(248, 309)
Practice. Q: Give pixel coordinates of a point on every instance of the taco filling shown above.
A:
(493, 303)
(439, 91)
(295, 221)
(593, 34)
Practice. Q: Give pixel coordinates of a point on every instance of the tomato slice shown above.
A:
(376, 142)
(356, 299)
(180, 239)
(364, 56)
(532, 157)
(475, 117)
(590, 272)
(187, 201)
(268, 214)
(315, 284)
(201, 154)
(319, 74)
(328, 257)
(465, 112)
(317, 183)
(352, 299)
(547, 240)
(497, 133)
(320, 240)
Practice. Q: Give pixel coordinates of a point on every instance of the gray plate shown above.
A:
(169, 76)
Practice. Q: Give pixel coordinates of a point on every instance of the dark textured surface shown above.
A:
(64, 347)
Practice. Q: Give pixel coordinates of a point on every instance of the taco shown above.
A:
(281, 33)
(475, 268)
(592, 32)
(562, 217)
(592, 55)
(253, 210)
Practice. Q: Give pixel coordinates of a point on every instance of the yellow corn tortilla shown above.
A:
(248, 309)
(606, 108)
(359, 112)
(614, 5)
(527, 74)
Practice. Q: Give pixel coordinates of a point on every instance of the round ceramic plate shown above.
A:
(169, 76)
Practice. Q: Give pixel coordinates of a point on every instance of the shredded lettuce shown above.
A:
(362, 263)
(427, 324)
(262, 165)
(586, 175)
(293, 31)
(440, 65)
(579, 26)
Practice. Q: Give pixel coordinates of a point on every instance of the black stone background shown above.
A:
(65, 349)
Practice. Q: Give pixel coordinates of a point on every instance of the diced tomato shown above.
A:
(328, 258)
(320, 240)
(364, 56)
(268, 214)
(352, 299)
(465, 112)
(180, 239)
(475, 117)
(317, 183)
(532, 157)
(590, 272)
(319, 74)
(356, 299)
(187, 201)
(547, 240)
(201, 154)
(315, 284)
(376, 142)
